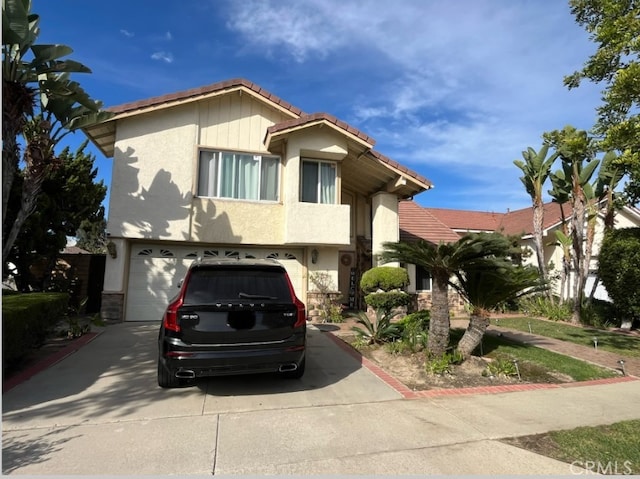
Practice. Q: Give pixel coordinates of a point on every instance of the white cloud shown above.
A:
(127, 33)
(295, 26)
(168, 36)
(163, 56)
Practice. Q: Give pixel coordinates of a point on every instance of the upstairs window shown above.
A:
(239, 176)
(423, 279)
(318, 182)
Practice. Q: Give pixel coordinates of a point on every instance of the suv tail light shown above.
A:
(171, 315)
(302, 313)
(301, 319)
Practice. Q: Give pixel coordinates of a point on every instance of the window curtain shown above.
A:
(207, 173)
(227, 176)
(327, 183)
(248, 171)
(269, 179)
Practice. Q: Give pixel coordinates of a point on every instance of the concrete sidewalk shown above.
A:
(99, 411)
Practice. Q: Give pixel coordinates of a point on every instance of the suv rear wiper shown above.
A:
(254, 296)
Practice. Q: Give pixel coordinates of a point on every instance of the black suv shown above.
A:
(232, 316)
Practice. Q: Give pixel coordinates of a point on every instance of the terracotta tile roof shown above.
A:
(317, 117)
(464, 220)
(399, 167)
(202, 91)
(417, 223)
(519, 222)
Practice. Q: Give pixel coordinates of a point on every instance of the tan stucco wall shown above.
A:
(237, 222)
(113, 268)
(327, 263)
(155, 172)
(310, 223)
(385, 222)
(153, 175)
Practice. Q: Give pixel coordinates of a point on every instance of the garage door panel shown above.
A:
(155, 271)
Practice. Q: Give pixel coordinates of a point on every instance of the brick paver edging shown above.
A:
(408, 393)
(48, 361)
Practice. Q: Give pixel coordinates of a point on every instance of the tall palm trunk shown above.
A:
(592, 218)
(579, 207)
(478, 324)
(439, 324)
(538, 224)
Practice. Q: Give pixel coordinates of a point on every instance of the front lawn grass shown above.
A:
(609, 449)
(619, 343)
(535, 363)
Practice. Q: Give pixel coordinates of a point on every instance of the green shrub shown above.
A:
(414, 329)
(618, 262)
(388, 300)
(26, 321)
(541, 306)
(386, 278)
(380, 330)
(501, 366)
(598, 314)
(442, 365)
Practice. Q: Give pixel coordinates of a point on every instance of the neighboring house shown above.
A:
(437, 224)
(230, 170)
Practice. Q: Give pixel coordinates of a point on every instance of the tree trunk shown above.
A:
(588, 251)
(439, 324)
(578, 219)
(478, 324)
(538, 218)
(39, 160)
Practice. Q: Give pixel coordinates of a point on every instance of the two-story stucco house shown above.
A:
(230, 170)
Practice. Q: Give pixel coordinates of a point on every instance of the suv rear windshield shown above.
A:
(233, 284)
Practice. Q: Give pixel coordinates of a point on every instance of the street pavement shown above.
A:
(100, 412)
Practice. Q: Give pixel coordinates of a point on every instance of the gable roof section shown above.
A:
(314, 119)
(417, 223)
(103, 134)
(398, 178)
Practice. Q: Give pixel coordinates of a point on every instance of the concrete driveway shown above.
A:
(100, 411)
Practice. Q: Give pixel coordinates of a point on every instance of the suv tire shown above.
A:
(165, 379)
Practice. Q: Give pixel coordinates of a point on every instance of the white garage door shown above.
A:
(155, 271)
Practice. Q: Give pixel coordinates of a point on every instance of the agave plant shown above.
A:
(380, 330)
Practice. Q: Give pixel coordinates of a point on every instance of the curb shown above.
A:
(47, 362)
(408, 393)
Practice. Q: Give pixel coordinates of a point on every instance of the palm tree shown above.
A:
(36, 93)
(486, 287)
(576, 150)
(443, 261)
(536, 168)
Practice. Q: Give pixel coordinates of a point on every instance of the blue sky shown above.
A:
(454, 90)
